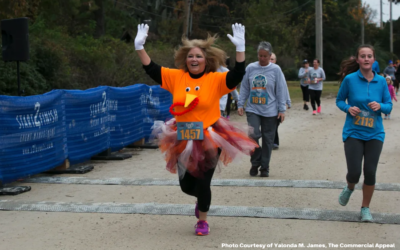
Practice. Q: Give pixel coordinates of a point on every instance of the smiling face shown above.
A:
(365, 58)
(264, 57)
(196, 61)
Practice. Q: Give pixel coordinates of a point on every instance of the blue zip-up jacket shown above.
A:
(358, 92)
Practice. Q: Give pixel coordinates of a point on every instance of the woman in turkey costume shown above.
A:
(198, 137)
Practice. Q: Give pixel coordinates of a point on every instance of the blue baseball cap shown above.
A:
(390, 61)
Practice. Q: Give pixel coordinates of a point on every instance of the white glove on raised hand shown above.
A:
(238, 37)
(141, 36)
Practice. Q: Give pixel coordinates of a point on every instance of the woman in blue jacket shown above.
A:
(367, 97)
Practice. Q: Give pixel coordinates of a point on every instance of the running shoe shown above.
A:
(196, 210)
(254, 171)
(314, 112)
(276, 146)
(227, 117)
(388, 117)
(264, 173)
(202, 228)
(305, 106)
(366, 215)
(319, 109)
(344, 196)
(385, 118)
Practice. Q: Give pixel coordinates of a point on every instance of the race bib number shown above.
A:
(190, 131)
(365, 119)
(258, 98)
(258, 92)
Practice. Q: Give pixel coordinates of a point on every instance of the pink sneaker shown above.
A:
(314, 112)
(319, 109)
(202, 228)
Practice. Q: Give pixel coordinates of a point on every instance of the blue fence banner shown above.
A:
(37, 133)
(32, 134)
(126, 117)
(87, 123)
(156, 102)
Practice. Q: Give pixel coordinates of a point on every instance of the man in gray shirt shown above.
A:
(265, 90)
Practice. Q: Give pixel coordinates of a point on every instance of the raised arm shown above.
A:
(234, 77)
(238, 40)
(140, 40)
(151, 68)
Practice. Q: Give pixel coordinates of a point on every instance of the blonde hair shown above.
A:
(214, 56)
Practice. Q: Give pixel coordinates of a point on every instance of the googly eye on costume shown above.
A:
(197, 88)
(187, 89)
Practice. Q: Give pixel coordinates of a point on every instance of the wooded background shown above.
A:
(79, 44)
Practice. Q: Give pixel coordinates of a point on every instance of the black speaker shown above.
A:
(15, 39)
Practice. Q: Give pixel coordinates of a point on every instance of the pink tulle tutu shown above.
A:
(198, 156)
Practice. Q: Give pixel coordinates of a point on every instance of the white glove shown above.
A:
(238, 37)
(141, 36)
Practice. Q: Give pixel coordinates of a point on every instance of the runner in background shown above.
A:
(375, 66)
(265, 90)
(390, 70)
(304, 75)
(273, 58)
(233, 96)
(363, 96)
(317, 75)
(223, 100)
(397, 81)
(288, 103)
(226, 100)
(392, 93)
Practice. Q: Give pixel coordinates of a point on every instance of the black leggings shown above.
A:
(200, 187)
(315, 96)
(228, 104)
(355, 150)
(306, 95)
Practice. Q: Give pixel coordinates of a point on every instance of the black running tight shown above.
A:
(355, 150)
(200, 187)
(315, 96)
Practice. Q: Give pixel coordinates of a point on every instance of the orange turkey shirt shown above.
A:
(212, 88)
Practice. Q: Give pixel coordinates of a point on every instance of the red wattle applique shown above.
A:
(194, 103)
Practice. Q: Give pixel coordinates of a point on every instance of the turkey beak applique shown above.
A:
(189, 99)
